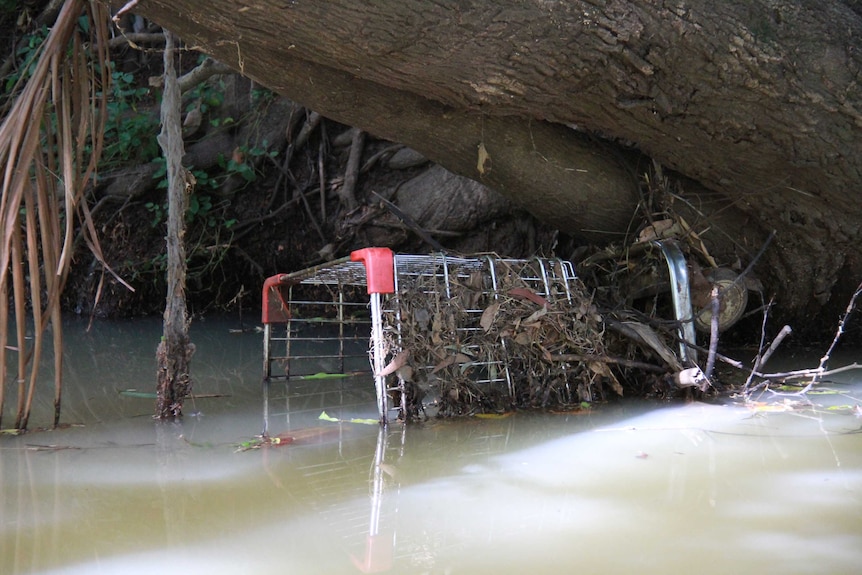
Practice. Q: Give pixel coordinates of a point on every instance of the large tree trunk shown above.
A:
(756, 101)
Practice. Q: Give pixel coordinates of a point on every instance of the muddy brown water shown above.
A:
(628, 488)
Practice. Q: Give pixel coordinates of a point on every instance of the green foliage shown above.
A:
(130, 134)
(210, 96)
(262, 95)
(244, 166)
(26, 56)
(157, 211)
(200, 209)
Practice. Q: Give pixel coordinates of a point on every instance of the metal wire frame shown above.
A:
(550, 278)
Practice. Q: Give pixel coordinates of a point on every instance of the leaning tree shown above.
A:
(754, 104)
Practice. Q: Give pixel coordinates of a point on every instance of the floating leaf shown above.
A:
(326, 417)
(493, 415)
(136, 393)
(363, 421)
(323, 375)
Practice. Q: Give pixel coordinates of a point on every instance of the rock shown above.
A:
(437, 199)
(406, 158)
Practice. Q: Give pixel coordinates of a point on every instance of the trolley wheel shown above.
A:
(734, 299)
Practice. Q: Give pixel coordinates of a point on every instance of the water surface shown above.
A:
(627, 488)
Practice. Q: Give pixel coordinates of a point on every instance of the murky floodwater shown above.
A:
(632, 488)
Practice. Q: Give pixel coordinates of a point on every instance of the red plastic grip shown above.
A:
(275, 309)
(379, 268)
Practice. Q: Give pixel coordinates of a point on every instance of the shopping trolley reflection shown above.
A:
(379, 549)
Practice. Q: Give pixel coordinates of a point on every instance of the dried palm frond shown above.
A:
(50, 143)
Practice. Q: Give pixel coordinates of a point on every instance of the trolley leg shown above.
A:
(267, 367)
(378, 358)
(680, 293)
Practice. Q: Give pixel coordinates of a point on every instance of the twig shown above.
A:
(803, 373)
(311, 122)
(311, 216)
(713, 337)
(433, 231)
(757, 359)
(608, 359)
(838, 333)
(785, 331)
(347, 191)
(257, 267)
(321, 172)
(754, 260)
(761, 360)
(128, 6)
(408, 221)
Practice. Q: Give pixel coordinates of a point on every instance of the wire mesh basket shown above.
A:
(323, 322)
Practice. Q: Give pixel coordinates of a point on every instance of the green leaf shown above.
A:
(138, 394)
(323, 375)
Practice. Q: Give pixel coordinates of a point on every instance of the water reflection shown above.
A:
(625, 488)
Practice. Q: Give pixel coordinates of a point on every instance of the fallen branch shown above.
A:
(608, 359)
(134, 39)
(201, 73)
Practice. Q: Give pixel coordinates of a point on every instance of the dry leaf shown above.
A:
(436, 329)
(528, 294)
(405, 373)
(660, 229)
(601, 368)
(449, 360)
(488, 316)
(647, 336)
(523, 338)
(397, 362)
(535, 316)
(484, 159)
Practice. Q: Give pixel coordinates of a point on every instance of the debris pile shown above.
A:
(453, 344)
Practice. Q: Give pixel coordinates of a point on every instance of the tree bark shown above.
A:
(175, 350)
(756, 101)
